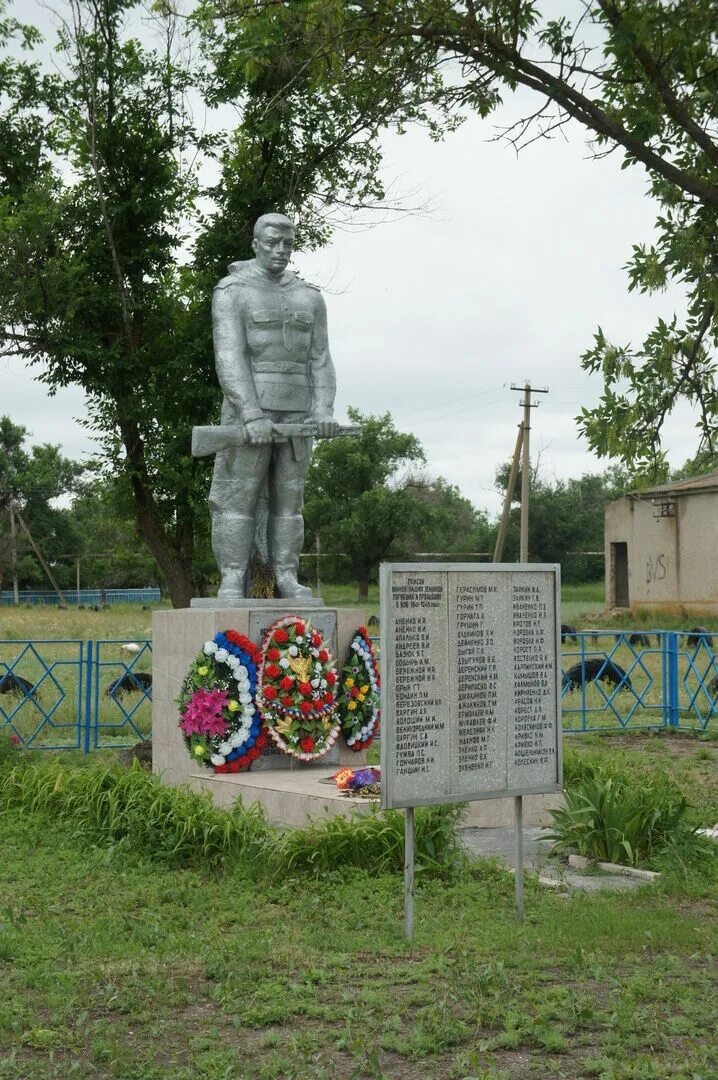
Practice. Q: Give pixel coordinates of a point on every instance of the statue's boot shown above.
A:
(232, 543)
(286, 537)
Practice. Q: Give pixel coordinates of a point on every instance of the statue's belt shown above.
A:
(281, 367)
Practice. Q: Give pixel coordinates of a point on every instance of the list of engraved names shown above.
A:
(477, 742)
(473, 693)
(420, 670)
(532, 736)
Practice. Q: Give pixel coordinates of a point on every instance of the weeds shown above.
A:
(131, 806)
(180, 828)
(611, 817)
(378, 836)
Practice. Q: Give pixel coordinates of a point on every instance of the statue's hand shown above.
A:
(325, 424)
(259, 431)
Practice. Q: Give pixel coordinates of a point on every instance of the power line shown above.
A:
(452, 401)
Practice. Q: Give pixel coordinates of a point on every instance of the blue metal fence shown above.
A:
(633, 679)
(88, 695)
(81, 695)
(89, 597)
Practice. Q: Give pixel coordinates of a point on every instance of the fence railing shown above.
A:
(631, 679)
(88, 597)
(81, 695)
(89, 695)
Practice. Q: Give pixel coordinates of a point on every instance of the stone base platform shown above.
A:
(295, 798)
(290, 798)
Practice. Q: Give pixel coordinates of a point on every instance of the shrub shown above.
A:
(182, 828)
(131, 806)
(613, 816)
(373, 841)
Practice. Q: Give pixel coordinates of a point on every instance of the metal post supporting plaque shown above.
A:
(409, 873)
(471, 691)
(519, 877)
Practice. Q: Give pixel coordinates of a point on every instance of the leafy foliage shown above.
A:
(355, 495)
(610, 817)
(639, 75)
(31, 478)
(566, 519)
(111, 237)
(112, 554)
(376, 836)
(110, 804)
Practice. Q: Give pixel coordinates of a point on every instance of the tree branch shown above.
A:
(675, 108)
(490, 51)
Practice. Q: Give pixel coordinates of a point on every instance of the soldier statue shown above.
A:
(274, 368)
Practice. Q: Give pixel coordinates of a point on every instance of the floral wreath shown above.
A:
(359, 693)
(218, 718)
(296, 689)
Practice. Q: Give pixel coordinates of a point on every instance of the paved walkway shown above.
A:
(501, 843)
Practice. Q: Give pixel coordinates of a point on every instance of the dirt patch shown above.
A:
(679, 744)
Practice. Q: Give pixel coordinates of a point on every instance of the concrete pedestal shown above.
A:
(292, 793)
(296, 798)
(177, 637)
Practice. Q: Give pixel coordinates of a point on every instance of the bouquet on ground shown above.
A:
(218, 715)
(365, 782)
(359, 693)
(296, 693)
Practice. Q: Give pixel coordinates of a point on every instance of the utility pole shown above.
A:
(40, 557)
(13, 553)
(508, 497)
(528, 405)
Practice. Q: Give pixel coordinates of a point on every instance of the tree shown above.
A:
(112, 554)
(110, 242)
(565, 520)
(450, 523)
(357, 498)
(640, 75)
(30, 481)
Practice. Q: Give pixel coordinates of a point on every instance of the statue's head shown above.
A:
(273, 242)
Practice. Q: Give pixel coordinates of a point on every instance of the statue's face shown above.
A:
(273, 248)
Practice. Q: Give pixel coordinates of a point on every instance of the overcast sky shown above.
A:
(502, 278)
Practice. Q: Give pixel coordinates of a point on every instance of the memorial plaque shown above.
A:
(470, 688)
(324, 620)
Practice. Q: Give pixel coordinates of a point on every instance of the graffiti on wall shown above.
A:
(656, 568)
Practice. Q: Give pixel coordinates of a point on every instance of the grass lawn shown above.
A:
(114, 966)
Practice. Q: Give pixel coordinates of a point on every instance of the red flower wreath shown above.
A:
(295, 692)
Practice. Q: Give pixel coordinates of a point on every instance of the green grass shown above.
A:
(115, 966)
(130, 807)
(579, 602)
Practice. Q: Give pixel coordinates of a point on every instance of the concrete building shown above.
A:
(661, 546)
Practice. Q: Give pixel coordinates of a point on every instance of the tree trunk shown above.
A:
(174, 559)
(363, 583)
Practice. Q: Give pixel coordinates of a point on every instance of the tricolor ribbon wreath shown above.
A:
(296, 689)
(218, 717)
(359, 693)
